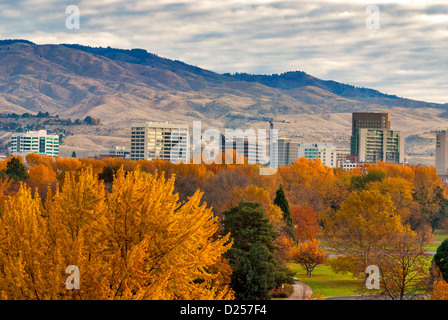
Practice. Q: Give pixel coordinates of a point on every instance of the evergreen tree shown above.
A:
(256, 270)
(281, 201)
(441, 259)
(16, 170)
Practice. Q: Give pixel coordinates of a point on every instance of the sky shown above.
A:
(397, 47)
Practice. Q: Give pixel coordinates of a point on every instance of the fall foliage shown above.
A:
(154, 229)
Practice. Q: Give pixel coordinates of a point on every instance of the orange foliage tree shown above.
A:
(308, 255)
(135, 242)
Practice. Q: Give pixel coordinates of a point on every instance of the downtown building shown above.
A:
(38, 142)
(442, 154)
(372, 139)
(160, 140)
(287, 151)
(326, 152)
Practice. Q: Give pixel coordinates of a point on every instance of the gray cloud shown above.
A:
(327, 39)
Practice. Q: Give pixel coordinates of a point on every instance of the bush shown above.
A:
(283, 292)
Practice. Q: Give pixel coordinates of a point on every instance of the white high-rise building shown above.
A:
(160, 140)
(326, 152)
(34, 142)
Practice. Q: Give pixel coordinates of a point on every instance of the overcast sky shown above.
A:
(406, 56)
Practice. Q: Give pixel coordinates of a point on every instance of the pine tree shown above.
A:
(256, 270)
(281, 201)
(16, 170)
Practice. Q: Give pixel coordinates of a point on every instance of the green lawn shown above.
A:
(326, 282)
(440, 236)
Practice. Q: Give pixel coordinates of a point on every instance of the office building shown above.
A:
(373, 145)
(160, 140)
(38, 142)
(370, 120)
(326, 152)
(341, 157)
(442, 154)
(287, 151)
(372, 139)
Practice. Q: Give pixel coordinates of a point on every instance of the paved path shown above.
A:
(301, 291)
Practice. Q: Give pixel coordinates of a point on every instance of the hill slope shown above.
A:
(120, 86)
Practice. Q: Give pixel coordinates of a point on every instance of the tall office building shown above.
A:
(160, 140)
(373, 141)
(442, 154)
(370, 120)
(34, 142)
(287, 151)
(326, 152)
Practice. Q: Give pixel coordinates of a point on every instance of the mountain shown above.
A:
(121, 86)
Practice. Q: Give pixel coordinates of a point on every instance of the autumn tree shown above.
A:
(135, 242)
(308, 255)
(402, 265)
(364, 224)
(439, 291)
(305, 222)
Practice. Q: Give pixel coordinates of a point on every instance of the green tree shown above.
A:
(256, 270)
(441, 259)
(281, 201)
(16, 170)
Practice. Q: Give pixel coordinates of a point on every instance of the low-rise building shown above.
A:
(326, 152)
(38, 142)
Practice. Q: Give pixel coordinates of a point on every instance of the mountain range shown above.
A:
(120, 86)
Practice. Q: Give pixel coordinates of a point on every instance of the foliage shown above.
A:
(308, 255)
(441, 259)
(135, 242)
(281, 201)
(256, 271)
(15, 169)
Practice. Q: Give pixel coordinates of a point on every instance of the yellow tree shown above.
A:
(29, 269)
(363, 225)
(162, 249)
(136, 242)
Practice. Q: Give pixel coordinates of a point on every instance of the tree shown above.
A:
(305, 222)
(281, 201)
(135, 242)
(16, 170)
(440, 290)
(308, 255)
(402, 266)
(256, 271)
(441, 259)
(363, 225)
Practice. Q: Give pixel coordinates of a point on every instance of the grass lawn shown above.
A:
(440, 236)
(326, 282)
